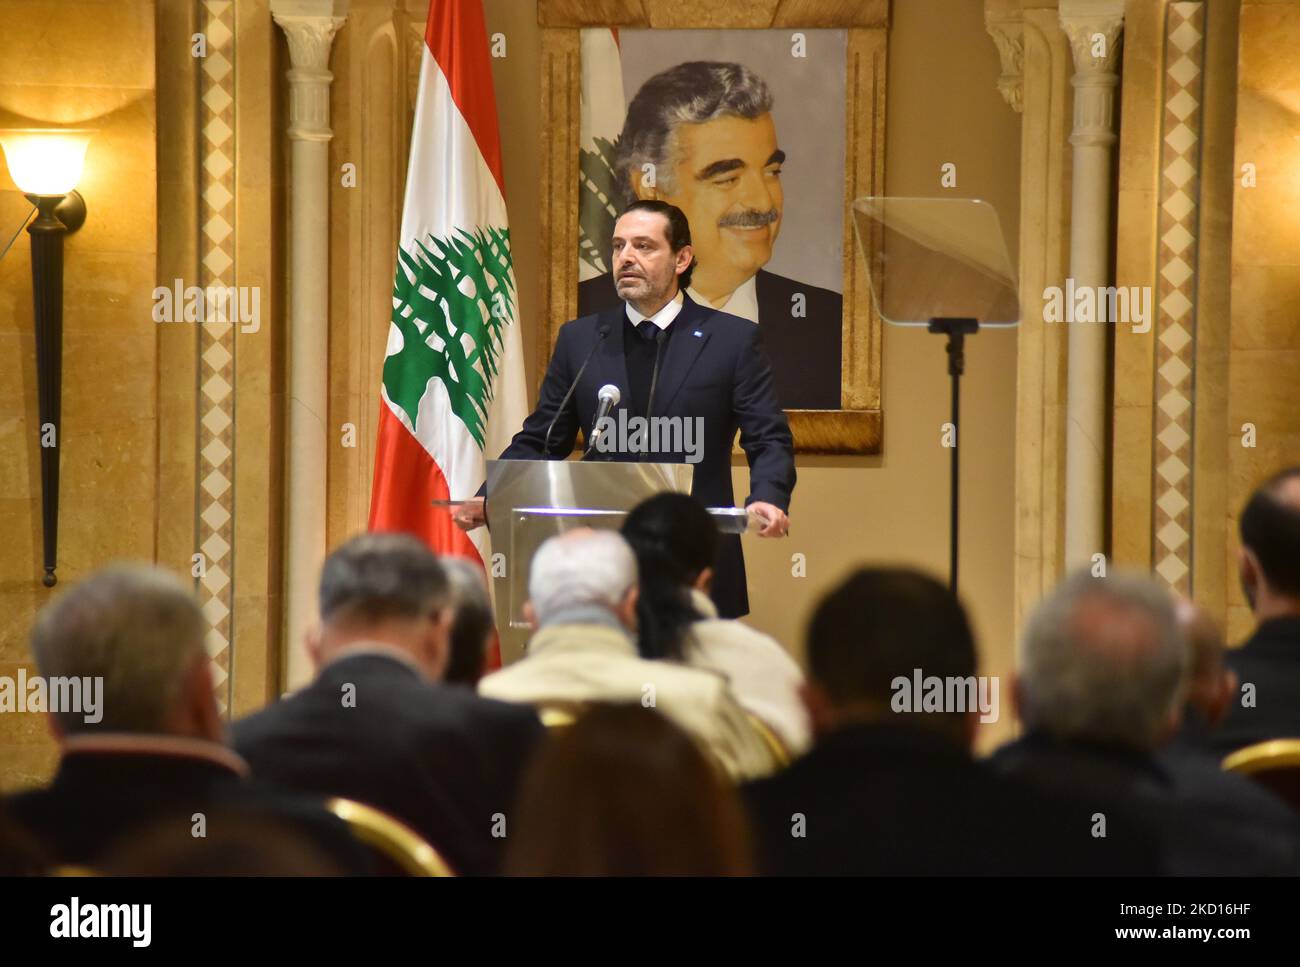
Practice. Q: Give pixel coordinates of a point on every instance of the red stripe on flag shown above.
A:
(406, 482)
(456, 35)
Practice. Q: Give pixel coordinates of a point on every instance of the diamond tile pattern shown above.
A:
(1175, 362)
(215, 494)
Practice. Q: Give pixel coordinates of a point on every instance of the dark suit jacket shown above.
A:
(99, 799)
(714, 368)
(1201, 822)
(893, 799)
(437, 756)
(805, 350)
(1269, 660)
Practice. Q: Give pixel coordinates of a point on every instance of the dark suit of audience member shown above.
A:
(437, 756)
(1102, 672)
(1200, 821)
(1269, 662)
(110, 788)
(887, 791)
(144, 748)
(891, 799)
(1267, 703)
(378, 725)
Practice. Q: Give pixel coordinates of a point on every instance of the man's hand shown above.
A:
(470, 514)
(775, 522)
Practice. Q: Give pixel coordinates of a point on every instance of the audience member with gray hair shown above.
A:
(582, 608)
(137, 630)
(588, 575)
(473, 627)
(893, 788)
(384, 589)
(152, 756)
(1103, 660)
(378, 724)
(1099, 688)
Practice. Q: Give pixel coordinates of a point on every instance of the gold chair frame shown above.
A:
(1264, 757)
(391, 837)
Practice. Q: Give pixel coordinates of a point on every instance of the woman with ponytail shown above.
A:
(676, 542)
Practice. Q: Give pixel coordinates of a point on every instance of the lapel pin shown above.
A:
(698, 333)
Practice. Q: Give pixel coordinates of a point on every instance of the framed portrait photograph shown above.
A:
(762, 123)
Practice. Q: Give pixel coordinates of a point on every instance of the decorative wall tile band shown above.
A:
(1175, 295)
(215, 492)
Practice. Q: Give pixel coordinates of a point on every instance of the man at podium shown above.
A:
(661, 378)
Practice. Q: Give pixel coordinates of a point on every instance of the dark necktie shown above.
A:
(647, 330)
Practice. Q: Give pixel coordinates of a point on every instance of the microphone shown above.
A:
(600, 338)
(608, 396)
(654, 381)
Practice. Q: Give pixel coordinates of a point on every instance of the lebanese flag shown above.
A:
(453, 379)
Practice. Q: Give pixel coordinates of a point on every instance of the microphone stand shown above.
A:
(600, 338)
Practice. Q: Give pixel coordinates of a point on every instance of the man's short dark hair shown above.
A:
(1270, 527)
(473, 624)
(883, 623)
(380, 577)
(678, 231)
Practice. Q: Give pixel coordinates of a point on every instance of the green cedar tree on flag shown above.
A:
(453, 381)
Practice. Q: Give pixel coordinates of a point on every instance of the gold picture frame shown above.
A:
(855, 428)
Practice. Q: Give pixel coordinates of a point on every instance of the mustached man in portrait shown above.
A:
(701, 137)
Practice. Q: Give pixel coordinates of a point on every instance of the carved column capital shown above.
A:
(310, 40)
(1094, 42)
(1005, 24)
(309, 28)
(1094, 28)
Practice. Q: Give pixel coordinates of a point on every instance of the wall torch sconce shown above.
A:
(46, 165)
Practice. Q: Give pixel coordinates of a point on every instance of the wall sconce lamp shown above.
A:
(46, 165)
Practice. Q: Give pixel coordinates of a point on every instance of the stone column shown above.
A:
(1093, 28)
(1036, 69)
(310, 26)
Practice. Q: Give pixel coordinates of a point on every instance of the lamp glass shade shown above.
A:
(45, 161)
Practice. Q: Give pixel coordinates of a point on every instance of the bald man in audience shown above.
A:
(378, 724)
(151, 758)
(1100, 686)
(1267, 700)
(582, 591)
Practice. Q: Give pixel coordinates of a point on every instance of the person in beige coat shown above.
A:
(582, 607)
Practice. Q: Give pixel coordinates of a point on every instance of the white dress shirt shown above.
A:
(661, 318)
